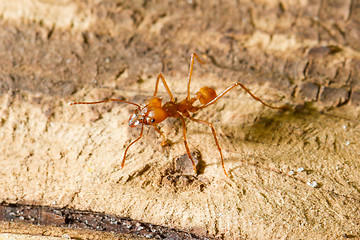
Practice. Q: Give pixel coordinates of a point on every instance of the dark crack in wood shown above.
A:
(78, 219)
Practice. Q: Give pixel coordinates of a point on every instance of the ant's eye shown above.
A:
(152, 120)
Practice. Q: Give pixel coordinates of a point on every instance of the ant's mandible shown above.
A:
(153, 112)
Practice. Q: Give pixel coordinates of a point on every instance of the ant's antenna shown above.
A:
(108, 100)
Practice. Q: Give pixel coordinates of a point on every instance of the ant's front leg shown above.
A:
(127, 148)
(164, 142)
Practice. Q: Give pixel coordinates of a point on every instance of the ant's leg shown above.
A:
(141, 133)
(247, 90)
(160, 76)
(158, 130)
(193, 56)
(186, 143)
(216, 140)
(108, 100)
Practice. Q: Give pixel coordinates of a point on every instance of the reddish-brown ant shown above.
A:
(152, 112)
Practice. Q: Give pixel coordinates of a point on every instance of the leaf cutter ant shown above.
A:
(153, 112)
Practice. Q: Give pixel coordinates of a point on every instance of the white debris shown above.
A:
(291, 172)
(300, 169)
(347, 143)
(312, 184)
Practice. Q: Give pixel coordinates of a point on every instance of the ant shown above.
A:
(153, 112)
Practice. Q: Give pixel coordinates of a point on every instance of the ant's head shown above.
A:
(151, 113)
(135, 118)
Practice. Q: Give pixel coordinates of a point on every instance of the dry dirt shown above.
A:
(293, 174)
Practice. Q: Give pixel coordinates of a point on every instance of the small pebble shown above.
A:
(300, 169)
(347, 143)
(312, 184)
(291, 172)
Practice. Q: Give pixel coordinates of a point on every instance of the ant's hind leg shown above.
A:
(193, 56)
(160, 76)
(247, 90)
(216, 140)
(186, 143)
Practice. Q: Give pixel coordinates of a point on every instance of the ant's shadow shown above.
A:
(275, 127)
(275, 130)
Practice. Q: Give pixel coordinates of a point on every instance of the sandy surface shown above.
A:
(293, 174)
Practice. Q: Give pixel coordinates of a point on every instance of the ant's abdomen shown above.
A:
(205, 95)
